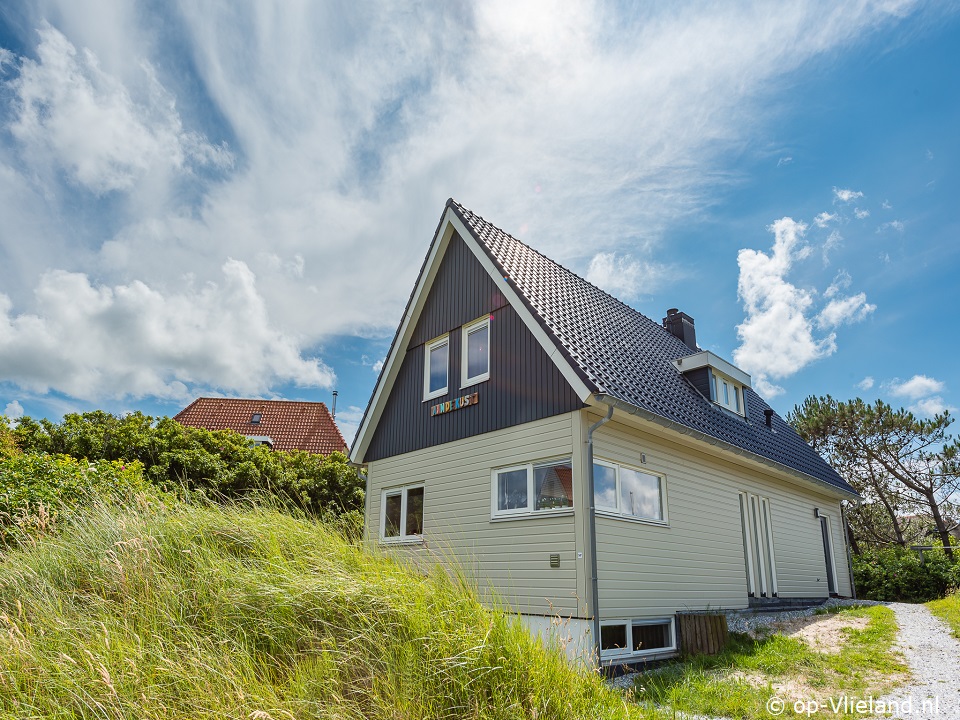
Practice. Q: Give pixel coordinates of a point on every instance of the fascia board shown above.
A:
(533, 325)
(601, 402)
(394, 360)
(706, 358)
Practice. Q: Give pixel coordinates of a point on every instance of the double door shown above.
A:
(759, 558)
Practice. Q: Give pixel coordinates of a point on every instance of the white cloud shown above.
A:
(931, 406)
(92, 341)
(13, 410)
(350, 126)
(892, 225)
(832, 242)
(72, 114)
(824, 219)
(845, 311)
(886, 205)
(841, 281)
(846, 195)
(866, 383)
(861, 214)
(624, 276)
(777, 338)
(885, 257)
(929, 155)
(916, 387)
(377, 367)
(784, 161)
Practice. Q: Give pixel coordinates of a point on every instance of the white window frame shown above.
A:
(428, 347)
(628, 652)
(618, 512)
(464, 337)
(530, 510)
(733, 400)
(403, 537)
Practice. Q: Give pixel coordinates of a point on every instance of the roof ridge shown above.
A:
(567, 270)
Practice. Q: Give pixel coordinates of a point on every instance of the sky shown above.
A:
(234, 198)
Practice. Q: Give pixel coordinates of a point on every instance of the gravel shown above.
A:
(934, 659)
(749, 622)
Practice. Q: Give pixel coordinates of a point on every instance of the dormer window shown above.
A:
(255, 418)
(717, 380)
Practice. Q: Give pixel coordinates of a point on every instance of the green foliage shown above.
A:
(218, 463)
(35, 489)
(8, 445)
(200, 612)
(897, 574)
(948, 610)
(738, 682)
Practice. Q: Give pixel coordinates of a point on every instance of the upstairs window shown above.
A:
(625, 491)
(475, 353)
(255, 418)
(436, 368)
(533, 488)
(727, 393)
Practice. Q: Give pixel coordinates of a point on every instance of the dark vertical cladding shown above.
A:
(524, 384)
(701, 380)
(681, 325)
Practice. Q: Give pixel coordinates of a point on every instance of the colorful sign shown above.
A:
(455, 404)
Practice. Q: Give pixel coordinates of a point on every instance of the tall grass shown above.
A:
(948, 610)
(199, 612)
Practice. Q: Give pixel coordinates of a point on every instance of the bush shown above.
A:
(897, 574)
(35, 489)
(219, 463)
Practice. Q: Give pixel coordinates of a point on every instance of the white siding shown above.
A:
(511, 558)
(697, 561)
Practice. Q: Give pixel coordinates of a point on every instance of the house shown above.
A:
(580, 461)
(280, 424)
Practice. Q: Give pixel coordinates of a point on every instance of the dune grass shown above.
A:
(195, 612)
(739, 682)
(948, 610)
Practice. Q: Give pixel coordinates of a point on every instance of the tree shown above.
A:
(899, 463)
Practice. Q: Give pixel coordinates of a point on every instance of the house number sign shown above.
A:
(455, 404)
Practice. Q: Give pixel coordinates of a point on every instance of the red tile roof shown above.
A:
(290, 425)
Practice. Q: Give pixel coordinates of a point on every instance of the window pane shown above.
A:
(438, 367)
(391, 527)
(726, 394)
(736, 396)
(553, 485)
(478, 352)
(640, 494)
(512, 490)
(605, 487)
(613, 637)
(651, 637)
(415, 511)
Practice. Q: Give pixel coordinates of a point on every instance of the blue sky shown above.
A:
(235, 198)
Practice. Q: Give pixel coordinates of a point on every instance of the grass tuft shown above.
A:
(948, 610)
(177, 612)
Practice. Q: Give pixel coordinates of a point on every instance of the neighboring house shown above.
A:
(280, 424)
(508, 373)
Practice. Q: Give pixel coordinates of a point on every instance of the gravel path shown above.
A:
(934, 658)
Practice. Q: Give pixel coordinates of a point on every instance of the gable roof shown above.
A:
(609, 352)
(289, 424)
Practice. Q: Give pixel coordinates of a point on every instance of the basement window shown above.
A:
(627, 639)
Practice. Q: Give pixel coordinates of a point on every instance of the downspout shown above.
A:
(846, 543)
(592, 534)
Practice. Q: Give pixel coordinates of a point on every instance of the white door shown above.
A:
(759, 559)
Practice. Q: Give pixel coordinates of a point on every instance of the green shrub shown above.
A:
(8, 446)
(219, 463)
(897, 574)
(35, 489)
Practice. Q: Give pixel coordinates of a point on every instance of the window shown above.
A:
(531, 488)
(436, 367)
(255, 418)
(727, 393)
(475, 354)
(626, 638)
(628, 492)
(402, 514)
